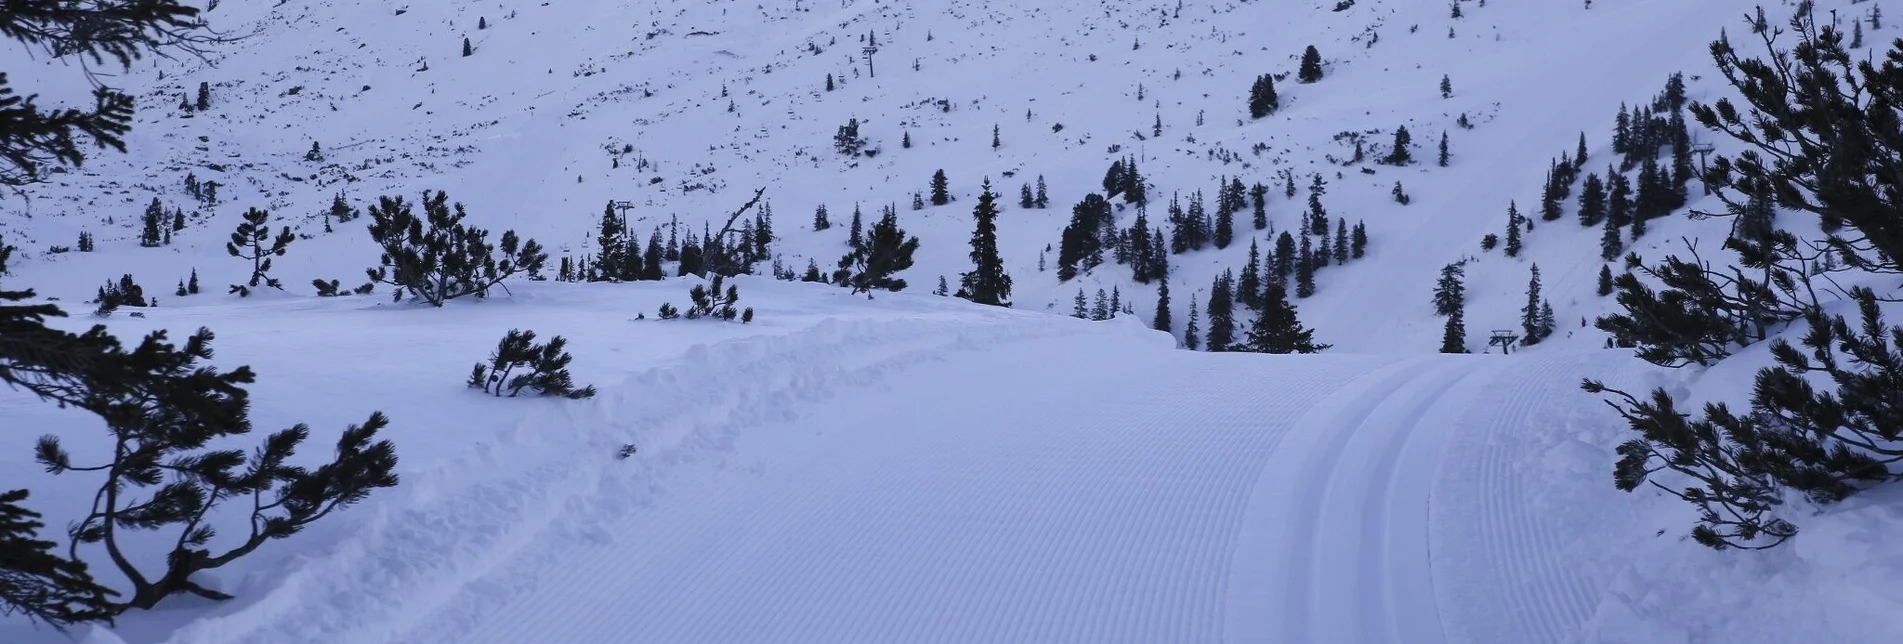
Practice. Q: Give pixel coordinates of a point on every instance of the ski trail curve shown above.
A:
(1333, 549)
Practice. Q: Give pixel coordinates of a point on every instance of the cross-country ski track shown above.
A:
(817, 485)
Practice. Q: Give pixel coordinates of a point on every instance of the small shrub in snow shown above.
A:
(248, 242)
(519, 363)
(707, 301)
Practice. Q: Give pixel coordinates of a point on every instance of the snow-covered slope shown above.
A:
(684, 107)
(913, 468)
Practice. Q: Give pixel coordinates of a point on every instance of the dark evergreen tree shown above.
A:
(1531, 321)
(248, 242)
(1399, 154)
(886, 252)
(1080, 307)
(1192, 331)
(944, 289)
(941, 189)
(1610, 243)
(1249, 285)
(1443, 149)
(1259, 195)
(1514, 220)
(987, 283)
(905, 140)
(1278, 330)
(1450, 295)
(1225, 231)
(153, 221)
(763, 231)
(1025, 198)
(855, 238)
(1262, 98)
(437, 258)
(1317, 216)
(1453, 337)
(1284, 264)
(1162, 320)
(1447, 84)
(1311, 68)
(1551, 195)
(1305, 270)
(1358, 240)
(1341, 241)
(1221, 313)
(611, 242)
(1043, 199)
(830, 87)
(1619, 200)
(1592, 201)
(651, 268)
(1605, 280)
(1622, 132)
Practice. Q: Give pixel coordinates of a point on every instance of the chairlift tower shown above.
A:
(872, 47)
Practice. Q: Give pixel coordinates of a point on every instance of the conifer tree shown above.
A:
(1311, 68)
(518, 363)
(611, 242)
(941, 189)
(1358, 240)
(248, 242)
(1447, 84)
(905, 139)
(1531, 320)
(1514, 220)
(1192, 332)
(1550, 196)
(204, 96)
(1080, 307)
(1162, 319)
(987, 282)
(1317, 216)
(1618, 200)
(651, 268)
(1259, 195)
(1610, 244)
(436, 258)
(829, 87)
(1100, 307)
(763, 231)
(995, 141)
(1043, 199)
(467, 50)
(1450, 295)
(1305, 270)
(855, 238)
(1225, 231)
(1453, 337)
(1400, 155)
(1284, 264)
(1278, 330)
(1341, 241)
(1262, 98)
(886, 251)
(1221, 313)
(1605, 280)
(820, 222)
(1249, 285)
(1592, 201)
(1443, 149)
(944, 289)
(1025, 199)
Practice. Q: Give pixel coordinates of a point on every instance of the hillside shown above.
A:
(530, 133)
(909, 467)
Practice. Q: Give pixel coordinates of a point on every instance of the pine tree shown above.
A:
(829, 87)
(1080, 306)
(987, 282)
(436, 258)
(1550, 196)
(856, 237)
(1399, 155)
(1513, 229)
(1450, 295)
(1278, 330)
(1249, 285)
(1259, 195)
(1192, 333)
(944, 289)
(611, 242)
(885, 252)
(1530, 315)
(1225, 231)
(1592, 201)
(1262, 98)
(995, 141)
(820, 222)
(1305, 270)
(1317, 216)
(154, 223)
(1100, 307)
(1579, 153)
(1610, 245)
(1447, 84)
(763, 231)
(1162, 320)
(1311, 68)
(1043, 200)
(1605, 280)
(1443, 149)
(467, 50)
(1221, 313)
(482, 22)
(905, 139)
(1025, 199)
(248, 242)
(1358, 240)
(1341, 241)
(191, 285)
(1619, 200)
(1284, 264)
(204, 96)
(941, 189)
